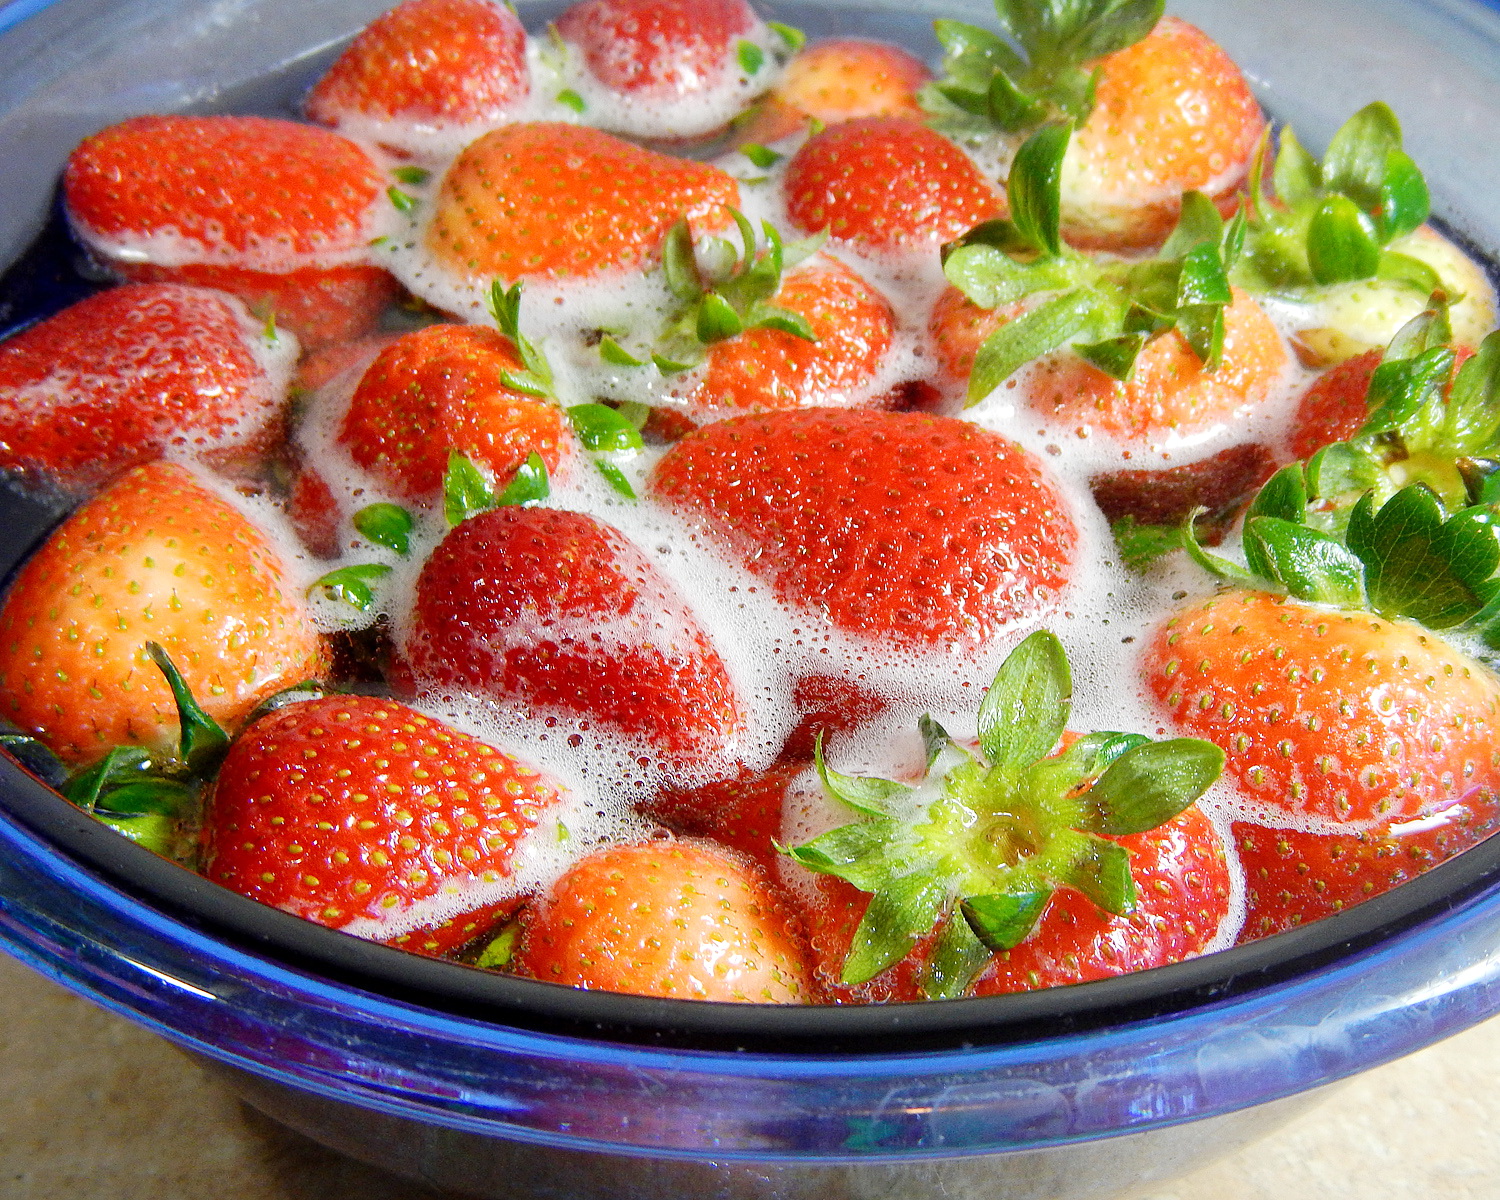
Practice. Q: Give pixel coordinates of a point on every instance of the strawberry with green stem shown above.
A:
(979, 849)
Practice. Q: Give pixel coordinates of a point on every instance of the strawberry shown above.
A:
(770, 368)
(677, 919)
(278, 213)
(828, 706)
(885, 185)
(423, 66)
(567, 202)
(657, 49)
(154, 557)
(1294, 876)
(441, 389)
(364, 815)
(1016, 866)
(838, 80)
(1220, 484)
(315, 513)
(912, 529)
(1334, 409)
(742, 812)
(127, 374)
(545, 612)
(1172, 114)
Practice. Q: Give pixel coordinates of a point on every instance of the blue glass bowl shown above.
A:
(503, 1087)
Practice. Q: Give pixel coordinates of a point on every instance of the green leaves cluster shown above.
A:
(535, 377)
(1108, 311)
(1036, 68)
(977, 851)
(1333, 221)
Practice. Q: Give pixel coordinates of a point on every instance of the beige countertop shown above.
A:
(93, 1108)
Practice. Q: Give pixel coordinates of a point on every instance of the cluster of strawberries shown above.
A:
(282, 352)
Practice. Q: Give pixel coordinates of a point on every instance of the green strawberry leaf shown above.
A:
(616, 478)
(865, 795)
(1025, 709)
(901, 912)
(163, 797)
(1142, 545)
(717, 320)
(153, 831)
(1102, 873)
(1216, 565)
(1036, 187)
(122, 765)
(1152, 782)
(1405, 202)
(991, 278)
(1116, 357)
(762, 156)
(1343, 244)
(528, 485)
(465, 491)
(1406, 395)
(603, 429)
(770, 316)
(935, 738)
(1202, 327)
(202, 742)
(535, 378)
(402, 202)
(1309, 564)
(1408, 271)
(1038, 332)
(680, 264)
(387, 525)
(1471, 425)
(1283, 496)
(352, 584)
(616, 355)
(497, 954)
(793, 37)
(956, 957)
(1003, 921)
(416, 176)
(751, 57)
(856, 853)
(573, 100)
(1358, 156)
(1199, 222)
(1297, 176)
(1342, 473)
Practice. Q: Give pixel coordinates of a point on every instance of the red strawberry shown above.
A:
(913, 529)
(1173, 114)
(320, 368)
(886, 185)
(1219, 483)
(426, 63)
(1294, 876)
(763, 369)
(442, 389)
(658, 49)
(678, 919)
(315, 513)
(567, 201)
(1334, 409)
(1342, 716)
(121, 377)
(743, 813)
(276, 212)
(364, 815)
(839, 80)
(156, 557)
(828, 706)
(548, 611)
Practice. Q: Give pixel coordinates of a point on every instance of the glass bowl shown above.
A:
(507, 1087)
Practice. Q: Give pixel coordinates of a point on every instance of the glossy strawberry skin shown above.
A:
(662, 49)
(911, 529)
(838, 80)
(1173, 114)
(441, 389)
(887, 185)
(1334, 408)
(565, 201)
(118, 378)
(445, 61)
(154, 557)
(1295, 876)
(766, 369)
(548, 611)
(1343, 716)
(352, 809)
(676, 919)
(743, 812)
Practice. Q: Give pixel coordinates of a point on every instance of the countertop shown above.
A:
(94, 1108)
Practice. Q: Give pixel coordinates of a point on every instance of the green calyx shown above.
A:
(978, 848)
(1333, 221)
(535, 377)
(1037, 68)
(1106, 311)
(466, 491)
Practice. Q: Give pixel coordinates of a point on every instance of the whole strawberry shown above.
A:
(127, 374)
(564, 201)
(678, 919)
(657, 49)
(155, 557)
(364, 815)
(549, 613)
(887, 185)
(908, 529)
(278, 213)
(423, 69)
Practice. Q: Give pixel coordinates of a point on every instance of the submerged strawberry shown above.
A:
(548, 612)
(364, 815)
(155, 557)
(909, 529)
(678, 919)
(1017, 866)
(567, 202)
(125, 375)
(657, 49)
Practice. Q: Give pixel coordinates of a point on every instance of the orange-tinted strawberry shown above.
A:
(1344, 716)
(156, 557)
(763, 369)
(271, 210)
(911, 529)
(1172, 114)
(838, 80)
(364, 815)
(429, 64)
(678, 919)
(443, 389)
(121, 377)
(887, 185)
(657, 49)
(564, 201)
